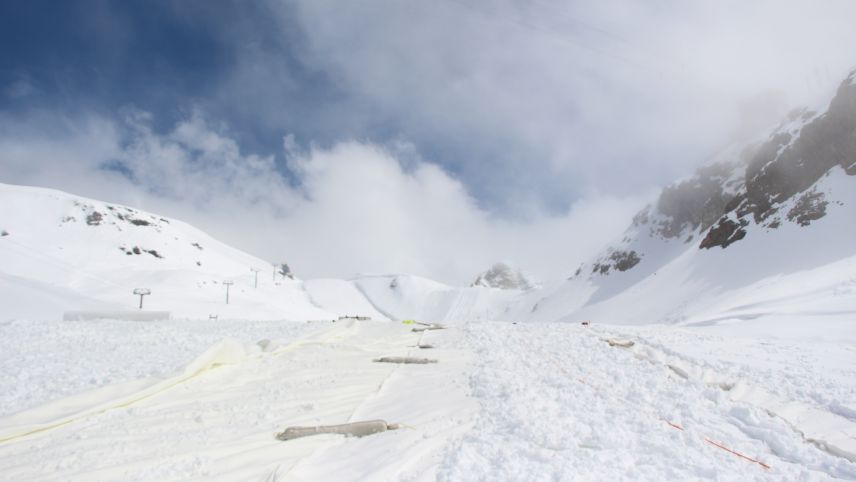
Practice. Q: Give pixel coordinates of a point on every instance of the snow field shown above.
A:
(47, 360)
(412, 297)
(505, 402)
(340, 297)
(220, 424)
(431, 403)
(558, 403)
(785, 361)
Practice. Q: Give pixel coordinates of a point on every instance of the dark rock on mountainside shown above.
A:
(826, 142)
(788, 165)
(696, 203)
(285, 271)
(137, 250)
(764, 184)
(502, 276)
(723, 234)
(617, 260)
(94, 218)
(809, 206)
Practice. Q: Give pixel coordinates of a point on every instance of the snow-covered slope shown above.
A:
(762, 215)
(503, 402)
(62, 252)
(412, 297)
(341, 297)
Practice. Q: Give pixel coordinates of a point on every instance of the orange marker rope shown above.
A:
(723, 447)
(673, 425)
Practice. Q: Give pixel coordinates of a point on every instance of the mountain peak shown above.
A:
(503, 276)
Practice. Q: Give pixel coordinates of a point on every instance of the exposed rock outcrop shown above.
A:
(285, 271)
(502, 276)
(616, 260)
(764, 184)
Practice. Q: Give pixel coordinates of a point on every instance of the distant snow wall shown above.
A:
(138, 315)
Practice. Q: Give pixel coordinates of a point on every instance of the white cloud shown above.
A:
(589, 104)
(550, 98)
(45, 147)
(364, 212)
(353, 208)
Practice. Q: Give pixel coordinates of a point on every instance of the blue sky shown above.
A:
(162, 57)
(539, 117)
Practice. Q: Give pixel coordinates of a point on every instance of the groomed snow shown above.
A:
(46, 360)
(559, 403)
(504, 402)
(218, 420)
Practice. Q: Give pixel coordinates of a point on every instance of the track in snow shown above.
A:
(505, 402)
(221, 423)
(558, 403)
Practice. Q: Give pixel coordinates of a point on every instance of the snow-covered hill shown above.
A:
(62, 252)
(413, 297)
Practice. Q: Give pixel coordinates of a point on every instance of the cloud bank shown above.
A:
(433, 137)
(567, 95)
(351, 208)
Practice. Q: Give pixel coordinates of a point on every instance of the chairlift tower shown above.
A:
(228, 284)
(256, 272)
(142, 292)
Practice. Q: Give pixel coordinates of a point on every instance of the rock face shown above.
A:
(723, 234)
(696, 203)
(285, 271)
(766, 185)
(784, 170)
(502, 276)
(616, 260)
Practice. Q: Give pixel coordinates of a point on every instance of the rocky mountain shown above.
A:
(774, 216)
(502, 276)
(760, 186)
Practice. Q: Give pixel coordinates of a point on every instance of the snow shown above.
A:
(503, 276)
(558, 403)
(29, 298)
(51, 248)
(750, 350)
(505, 401)
(404, 297)
(47, 360)
(341, 297)
(218, 417)
(809, 268)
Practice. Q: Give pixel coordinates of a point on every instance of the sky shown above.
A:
(432, 138)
